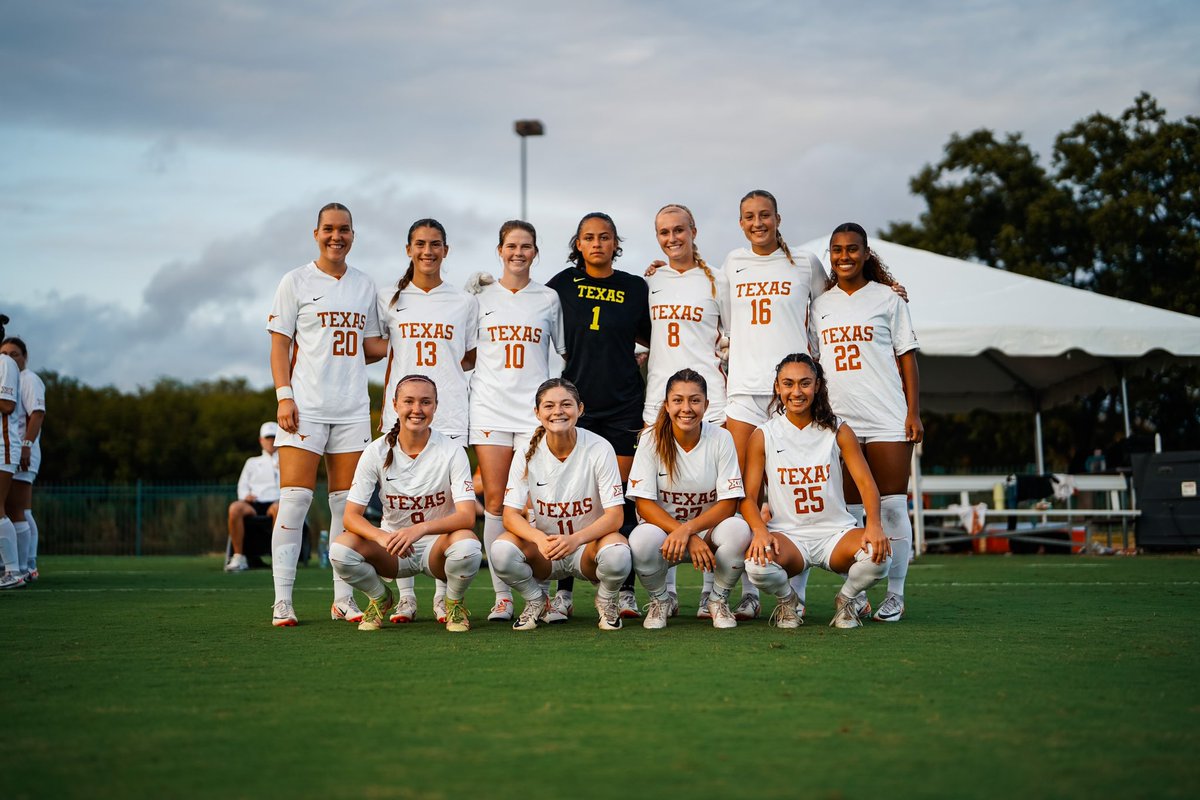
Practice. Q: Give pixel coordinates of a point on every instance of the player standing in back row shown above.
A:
(324, 327)
(606, 312)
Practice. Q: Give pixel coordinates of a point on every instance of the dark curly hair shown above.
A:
(576, 257)
(874, 269)
(822, 411)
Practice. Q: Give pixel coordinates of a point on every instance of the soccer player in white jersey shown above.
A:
(520, 320)
(10, 456)
(865, 332)
(424, 483)
(20, 496)
(798, 455)
(324, 326)
(686, 480)
(430, 327)
(769, 293)
(568, 478)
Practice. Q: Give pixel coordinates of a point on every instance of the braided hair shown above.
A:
(700, 262)
(763, 193)
(822, 411)
(540, 433)
(407, 277)
(394, 433)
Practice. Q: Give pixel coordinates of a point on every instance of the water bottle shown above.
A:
(323, 550)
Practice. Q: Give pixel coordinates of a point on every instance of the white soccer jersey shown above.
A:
(417, 489)
(327, 319)
(566, 496)
(860, 336)
(803, 475)
(512, 358)
(769, 299)
(11, 423)
(685, 323)
(707, 474)
(429, 333)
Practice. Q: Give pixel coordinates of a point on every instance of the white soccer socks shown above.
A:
(645, 545)
(8, 546)
(799, 583)
(493, 526)
(22, 530)
(462, 563)
(897, 527)
(352, 569)
(31, 564)
(286, 537)
(770, 578)
(337, 509)
(863, 574)
(509, 563)
(729, 540)
(613, 564)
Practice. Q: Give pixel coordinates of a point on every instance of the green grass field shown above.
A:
(1033, 677)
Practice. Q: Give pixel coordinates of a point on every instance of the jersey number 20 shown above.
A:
(345, 343)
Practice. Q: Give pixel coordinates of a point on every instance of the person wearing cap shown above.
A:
(258, 494)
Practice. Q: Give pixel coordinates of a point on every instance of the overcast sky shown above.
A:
(163, 162)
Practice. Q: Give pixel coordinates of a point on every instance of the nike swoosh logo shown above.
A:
(662, 474)
(655, 291)
(401, 308)
(286, 528)
(493, 311)
(577, 280)
(539, 483)
(390, 477)
(743, 269)
(780, 451)
(315, 299)
(823, 316)
(366, 440)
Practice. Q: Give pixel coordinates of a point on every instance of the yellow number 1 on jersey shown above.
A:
(595, 326)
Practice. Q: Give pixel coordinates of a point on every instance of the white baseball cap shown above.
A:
(268, 430)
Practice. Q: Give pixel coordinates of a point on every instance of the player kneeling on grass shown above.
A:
(424, 483)
(799, 452)
(569, 479)
(687, 483)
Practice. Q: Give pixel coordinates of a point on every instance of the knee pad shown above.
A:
(344, 555)
(466, 556)
(613, 561)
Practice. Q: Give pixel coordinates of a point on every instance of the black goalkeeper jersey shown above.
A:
(602, 319)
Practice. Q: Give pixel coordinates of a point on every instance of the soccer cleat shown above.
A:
(502, 611)
(702, 611)
(657, 612)
(372, 618)
(439, 607)
(785, 614)
(673, 607)
(862, 606)
(458, 618)
(346, 609)
(406, 610)
(747, 608)
(718, 611)
(283, 615)
(846, 614)
(14, 580)
(532, 614)
(610, 612)
(627, 604)
(237, 563)
(891, 609)
(559, 609)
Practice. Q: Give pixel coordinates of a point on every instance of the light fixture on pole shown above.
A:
(526, 128)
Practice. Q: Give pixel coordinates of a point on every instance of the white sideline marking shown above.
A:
(264, 590)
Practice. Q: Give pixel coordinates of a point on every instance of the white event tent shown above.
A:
(998, 340)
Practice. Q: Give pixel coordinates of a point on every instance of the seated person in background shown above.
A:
(258, 493)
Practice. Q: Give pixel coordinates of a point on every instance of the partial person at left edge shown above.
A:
(12, 517)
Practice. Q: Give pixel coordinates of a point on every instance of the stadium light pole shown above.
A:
(526, 128)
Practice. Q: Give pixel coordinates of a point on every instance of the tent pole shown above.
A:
(1125, 405)
(918, 503)
(1037, 435)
